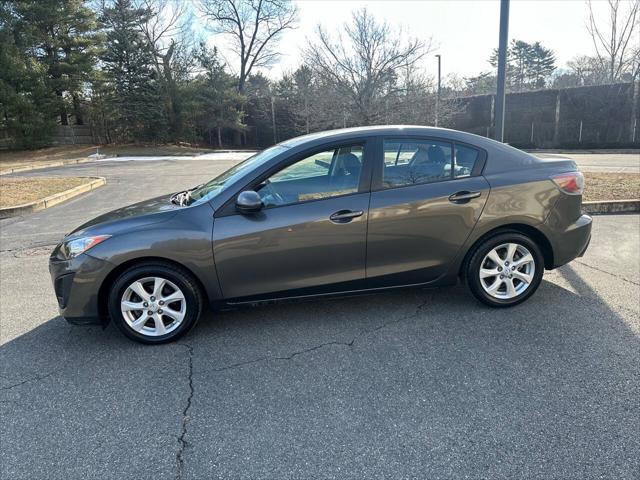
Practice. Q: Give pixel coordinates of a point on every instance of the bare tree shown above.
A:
(365, 64)
(616, 43)
(585, 70)
(303, 79)
(166, 27)
(255, 26)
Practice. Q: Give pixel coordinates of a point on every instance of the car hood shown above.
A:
(154, 210)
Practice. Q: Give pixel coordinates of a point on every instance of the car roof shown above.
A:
(500, 156)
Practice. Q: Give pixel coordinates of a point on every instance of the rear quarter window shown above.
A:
(465, 159)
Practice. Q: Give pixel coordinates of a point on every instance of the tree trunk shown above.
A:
(171, 96)
(64, 119)
(237, 138)
(237, 135)
(219, 137)
(77, 110)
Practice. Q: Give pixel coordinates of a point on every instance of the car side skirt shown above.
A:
(355, 289)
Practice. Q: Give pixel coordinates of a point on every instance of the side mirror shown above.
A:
(249, 202)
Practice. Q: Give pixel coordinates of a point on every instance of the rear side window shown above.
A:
(413, 162)
(464, 161)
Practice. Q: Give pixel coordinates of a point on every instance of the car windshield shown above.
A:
(207, 191)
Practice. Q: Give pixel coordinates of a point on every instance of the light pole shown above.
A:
(502, 69)
(438, 95)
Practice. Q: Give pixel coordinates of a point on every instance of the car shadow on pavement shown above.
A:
(436, 381)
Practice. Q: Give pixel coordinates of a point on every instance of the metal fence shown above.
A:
(581, 117)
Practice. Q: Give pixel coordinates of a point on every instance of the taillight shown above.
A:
(571, 183)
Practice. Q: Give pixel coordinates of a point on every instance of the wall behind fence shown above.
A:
(582, 117)
(61, 135)
(72, 135)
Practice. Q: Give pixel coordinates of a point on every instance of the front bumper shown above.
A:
(76, 283)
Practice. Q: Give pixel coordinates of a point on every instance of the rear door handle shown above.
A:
(463, 197)
(345, 216)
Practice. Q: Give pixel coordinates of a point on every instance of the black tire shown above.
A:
(474, 263)
(193, 297)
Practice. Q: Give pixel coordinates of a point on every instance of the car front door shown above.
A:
(427, 196)
(310, 235)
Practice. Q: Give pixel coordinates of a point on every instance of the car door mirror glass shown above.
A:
(249, 202)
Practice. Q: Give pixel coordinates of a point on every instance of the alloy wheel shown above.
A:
(507, 271)
(153, 306)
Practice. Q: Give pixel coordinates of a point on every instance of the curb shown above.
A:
(52, 200)
(612, 206)
(36, 166)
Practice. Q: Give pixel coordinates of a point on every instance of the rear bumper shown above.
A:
(570, 241)
(76, 283)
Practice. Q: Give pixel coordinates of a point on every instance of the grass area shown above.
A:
(611, 186)
(13, 159)
(17, 191)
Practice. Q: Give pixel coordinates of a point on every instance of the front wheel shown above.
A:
(505, 270)
(155, 303)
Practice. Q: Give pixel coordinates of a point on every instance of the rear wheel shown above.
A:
(155, 303)
(505, 269)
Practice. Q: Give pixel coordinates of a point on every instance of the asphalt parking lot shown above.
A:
(410, 384)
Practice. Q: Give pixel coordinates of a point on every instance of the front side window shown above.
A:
(207, 191)
(412, 162)
(325, 174)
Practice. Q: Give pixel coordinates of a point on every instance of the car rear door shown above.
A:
(427, 195)
(310, 236)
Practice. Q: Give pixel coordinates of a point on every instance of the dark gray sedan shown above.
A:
(338, 212)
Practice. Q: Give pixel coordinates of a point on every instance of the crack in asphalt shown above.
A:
(182, 441)
(325, 344)
(36, 378)
(608, 273)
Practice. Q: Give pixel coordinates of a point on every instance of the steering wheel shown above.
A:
(271, 191)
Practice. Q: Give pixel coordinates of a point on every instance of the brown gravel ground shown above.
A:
(611, 186)
(19, 190)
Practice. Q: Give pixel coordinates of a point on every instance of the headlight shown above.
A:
(73, 248)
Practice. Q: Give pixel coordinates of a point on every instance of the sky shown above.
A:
(463, 32)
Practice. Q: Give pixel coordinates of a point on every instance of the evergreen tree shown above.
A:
(26, 102)
(542, 63)
(128, 62)
(215, 97)
(61, 36)
(529, 66)
(481, 84)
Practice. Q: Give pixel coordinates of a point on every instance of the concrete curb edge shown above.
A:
(612, 206)
(37, 166)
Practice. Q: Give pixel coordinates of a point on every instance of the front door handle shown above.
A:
(345, 216)
(463, 197)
